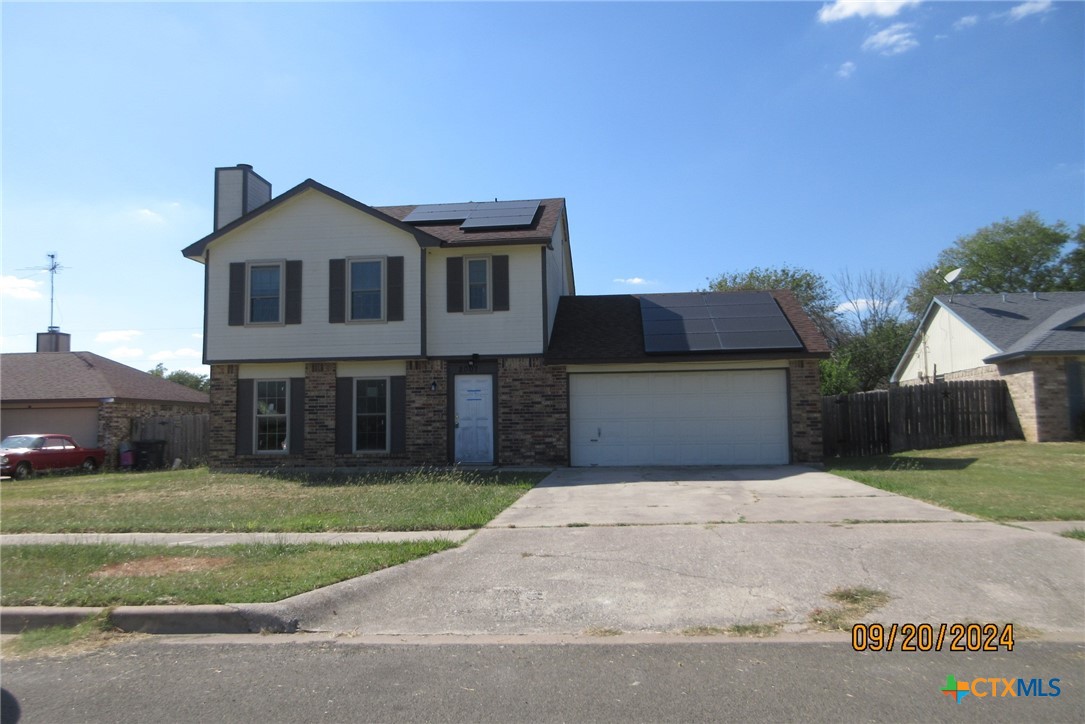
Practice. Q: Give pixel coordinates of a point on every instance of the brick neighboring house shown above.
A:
(342, 335)
(92, 398)
(1035, 342)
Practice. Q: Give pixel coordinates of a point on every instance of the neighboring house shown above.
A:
(344, 335)
(1035, 342)
(91, 398)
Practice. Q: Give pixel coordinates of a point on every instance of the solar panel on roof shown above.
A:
(478, 214)
(502, 214)
(440, 212)
(714, 322)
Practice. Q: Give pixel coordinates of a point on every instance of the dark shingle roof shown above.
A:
(608, 328)
(84, 376)
(1022, 324)
(450, 234)
(540, 232)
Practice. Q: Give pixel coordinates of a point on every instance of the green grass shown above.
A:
(997, 481)
(1075, 533)
(854, 603)
(201, 501)
(72, 575)
(91, 633)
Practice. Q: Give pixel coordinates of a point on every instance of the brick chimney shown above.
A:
(238, 190)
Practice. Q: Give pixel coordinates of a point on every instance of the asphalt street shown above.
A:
(292, 678)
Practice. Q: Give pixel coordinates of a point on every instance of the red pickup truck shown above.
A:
(23, 455)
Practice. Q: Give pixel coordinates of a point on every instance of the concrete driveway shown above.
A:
(666, 550)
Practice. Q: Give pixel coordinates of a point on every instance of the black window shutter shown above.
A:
(500, 272)
(337, 293)
(455, 284)
(344, 415)
(296, 445)
(246, 412)
(395, 289)
(293, 292)
(237, 294)
(398, 408)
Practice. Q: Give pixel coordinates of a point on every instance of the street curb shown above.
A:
(216, 619)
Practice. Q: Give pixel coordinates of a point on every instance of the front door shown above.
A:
(474, 419)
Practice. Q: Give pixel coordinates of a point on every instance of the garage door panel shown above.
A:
(679, 418)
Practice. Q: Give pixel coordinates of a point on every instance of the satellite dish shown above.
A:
(952, 276)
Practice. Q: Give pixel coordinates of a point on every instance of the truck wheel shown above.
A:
(89, 466)
(23, 471)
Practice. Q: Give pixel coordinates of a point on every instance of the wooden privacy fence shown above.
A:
(917, 417)
(187, 436)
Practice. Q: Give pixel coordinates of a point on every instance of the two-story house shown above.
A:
(343, 335)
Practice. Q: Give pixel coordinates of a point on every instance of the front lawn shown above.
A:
(998, 481)
(134, 575)
(188, 501)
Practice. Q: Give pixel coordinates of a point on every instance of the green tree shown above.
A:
(872, 356)
(837, 375)
(1012, 255)
(201, 383)
(811, 289)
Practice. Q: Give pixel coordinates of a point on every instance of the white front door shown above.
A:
(474, 419)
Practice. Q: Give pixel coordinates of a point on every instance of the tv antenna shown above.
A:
(52, 267)
(950, 278)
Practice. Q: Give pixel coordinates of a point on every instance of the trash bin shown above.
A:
(127, 456)
(150, 454)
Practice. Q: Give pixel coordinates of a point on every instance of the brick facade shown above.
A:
(532, 412)
(531, 425)
(115, 421)
(532, 422)
(1038, 388)
(804, 401)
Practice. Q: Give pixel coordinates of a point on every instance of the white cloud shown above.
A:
(125, 353)
(1032, 7)
(197, 335)
(174, 354)
(846, 69)
(636, 281)
(17, 288)
(894, 40)
(117, 335)
(146, 215)
(966, 22)
(843, 9)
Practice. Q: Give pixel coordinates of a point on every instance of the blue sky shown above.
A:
(688, 139)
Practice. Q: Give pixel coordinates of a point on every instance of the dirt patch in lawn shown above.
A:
(161, 566)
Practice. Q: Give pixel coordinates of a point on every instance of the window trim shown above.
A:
(256, 415)
(281, 320)
(387, 415)
(467, 284)
(350, 261)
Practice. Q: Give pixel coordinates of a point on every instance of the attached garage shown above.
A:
(717, 417)
(79, 422)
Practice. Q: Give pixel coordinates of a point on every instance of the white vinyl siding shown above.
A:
(313, 228)
(229, 188)
(557, 281)
(729, 417)
(949, 344)
(516, 331)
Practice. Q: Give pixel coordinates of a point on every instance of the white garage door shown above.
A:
(79, 422)
(679, 418)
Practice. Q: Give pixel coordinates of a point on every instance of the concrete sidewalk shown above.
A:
(664, 550)
(225, 539)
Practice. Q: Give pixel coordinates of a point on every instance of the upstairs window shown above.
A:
(366, 290)
(477, 288)
(265, 293)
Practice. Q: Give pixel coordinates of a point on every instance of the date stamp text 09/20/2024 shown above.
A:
(932, 637)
